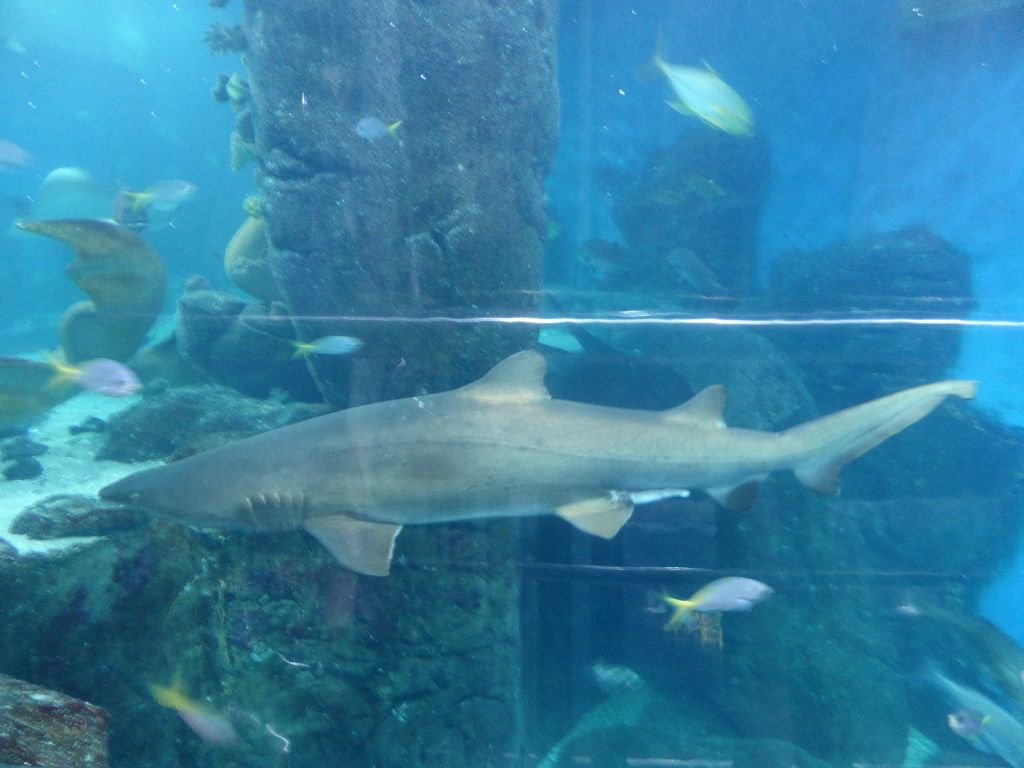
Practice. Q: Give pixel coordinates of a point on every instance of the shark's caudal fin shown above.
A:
(823, 446)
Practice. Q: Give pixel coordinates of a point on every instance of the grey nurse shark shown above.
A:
(500, 447)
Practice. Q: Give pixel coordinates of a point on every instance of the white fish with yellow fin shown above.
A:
(703, 94)
(327, 345)
(732, 593)
(209, 725)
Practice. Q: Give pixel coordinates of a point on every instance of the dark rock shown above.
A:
(203, 316)
(160, 425)
(91, 424)
(7, 550)
(23, 469)
(20, 448)
(47, 728)
(65, 515)
(448, 219)
(911, 274)
(702, 195)
(246, 346)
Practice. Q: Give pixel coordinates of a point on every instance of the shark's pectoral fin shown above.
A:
(602, 517)
(359, 545)
(738, 497)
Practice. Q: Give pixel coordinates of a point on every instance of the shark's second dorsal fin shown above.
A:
(706, 407)
(516, 379)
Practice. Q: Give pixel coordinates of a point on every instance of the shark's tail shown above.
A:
(822, 447)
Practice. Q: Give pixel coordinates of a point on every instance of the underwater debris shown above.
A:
(482, 435)
(225, 38)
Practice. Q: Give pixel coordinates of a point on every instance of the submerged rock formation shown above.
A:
(443, 219)
(690, 218)
(124, 278)
(907, 274)
(43, 727)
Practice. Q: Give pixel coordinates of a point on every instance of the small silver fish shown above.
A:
(166, 195)
(328, 345)
(12, 156)
(373, 128)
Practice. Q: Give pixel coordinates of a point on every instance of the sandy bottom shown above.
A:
(68, 467)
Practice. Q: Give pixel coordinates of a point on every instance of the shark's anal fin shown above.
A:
(738, 497)
(602, 517)
(518, 378)
(362, 546)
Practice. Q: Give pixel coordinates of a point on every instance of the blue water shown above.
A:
(873, 122)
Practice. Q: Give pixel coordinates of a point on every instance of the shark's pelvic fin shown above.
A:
(706, 407)
(518, 378)
(602, 517)
(836, 440)
(359, 545)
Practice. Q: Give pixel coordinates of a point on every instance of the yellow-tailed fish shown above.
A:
(667, 197)
(703, 187)
(701, 93)
(208, 724)
(327, 345)
(373, 128)
(732, 593)
(104, 376)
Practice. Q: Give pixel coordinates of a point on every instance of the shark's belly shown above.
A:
(459, 480)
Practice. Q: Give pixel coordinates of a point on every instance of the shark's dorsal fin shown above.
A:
(516, 379)
(362, 546)
(706, 407)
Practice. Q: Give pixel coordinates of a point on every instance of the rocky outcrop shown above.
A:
(910, 274)
(124, 278)
(44, 727)
(445, 218)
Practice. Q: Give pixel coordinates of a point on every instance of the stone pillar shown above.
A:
(443, 218)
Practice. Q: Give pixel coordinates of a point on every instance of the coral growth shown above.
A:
(225, 38)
